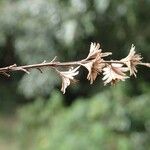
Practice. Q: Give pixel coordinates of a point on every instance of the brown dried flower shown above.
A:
(114, 73)
(67, 77)
(94, 68)
(132, 60)
(94, 63)
(95, 50)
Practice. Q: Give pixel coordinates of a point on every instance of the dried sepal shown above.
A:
(94, 68)
(67, 77)
(132, 60)
(114, 73)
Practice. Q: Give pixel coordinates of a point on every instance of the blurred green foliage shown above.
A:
(86, 117)
(100, 122)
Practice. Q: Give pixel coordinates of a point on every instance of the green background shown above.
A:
(34, 114)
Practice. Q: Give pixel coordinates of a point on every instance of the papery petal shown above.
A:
(94, 50)
(65, 84)
(105, 54)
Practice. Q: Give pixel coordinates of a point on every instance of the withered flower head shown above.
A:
(114, 73)
(67, 77)
(132, 60)
(94, 60)
(95, 50)
(94, 68)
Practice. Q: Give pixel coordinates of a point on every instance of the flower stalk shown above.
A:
(112, 70)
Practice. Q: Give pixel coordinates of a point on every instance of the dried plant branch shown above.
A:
(113, 70)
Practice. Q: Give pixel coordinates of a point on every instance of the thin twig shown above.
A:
(25, 68)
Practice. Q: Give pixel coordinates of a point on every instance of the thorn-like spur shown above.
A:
(39, 69)
(54, 59)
